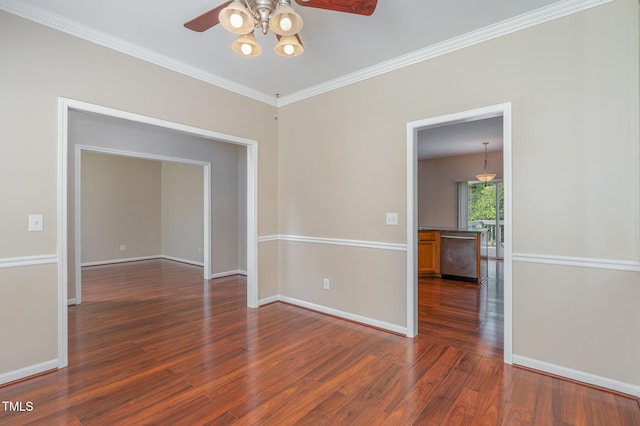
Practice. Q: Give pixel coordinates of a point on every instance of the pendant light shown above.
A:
(486, 176)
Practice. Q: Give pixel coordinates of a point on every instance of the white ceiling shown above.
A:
(460, 138)
(337, 44)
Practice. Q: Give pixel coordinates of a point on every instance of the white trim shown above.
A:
(64, 105)
(77, 214)
(270, 299)
(345, 315)
(187, 261)
(413, 128)
(228, 274)
(582, 262)
(412, 227)
(62, 246)
(517, 23)
(71, 301)
(577, 375)
(268, 238)
(122, 260)
(12, 262)
(507, 236)
(30, 370)
(336, 242)
(142, 155)
(252, 225)
(206, 227)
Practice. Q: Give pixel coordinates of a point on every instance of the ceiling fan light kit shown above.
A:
(243, 16)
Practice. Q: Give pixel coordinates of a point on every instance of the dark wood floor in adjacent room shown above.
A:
(153, 343)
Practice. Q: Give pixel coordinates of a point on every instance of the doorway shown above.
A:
(112, 211)
(65, 183)
(500, 110)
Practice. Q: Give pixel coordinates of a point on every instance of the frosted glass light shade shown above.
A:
(289, 46)
(485, 177)
(236, 19)
(246, 45)
(285, 21)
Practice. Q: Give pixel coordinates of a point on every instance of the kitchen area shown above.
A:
(453, 253)
(458, 230)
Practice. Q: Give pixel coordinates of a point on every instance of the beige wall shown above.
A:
(29, 336)
(183, 211)
(39, 65)
(121, 205)
(573, 85)
(437, 185)
(335, 164)
(152, 207)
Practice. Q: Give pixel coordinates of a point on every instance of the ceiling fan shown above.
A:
(242, 16)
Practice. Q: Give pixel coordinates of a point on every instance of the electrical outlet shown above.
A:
(123, 247)
(392, 218)
(325, 284)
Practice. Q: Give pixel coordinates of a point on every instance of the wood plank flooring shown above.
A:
(465, 315)
(153, 343)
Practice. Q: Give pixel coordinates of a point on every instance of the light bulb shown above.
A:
(285, 23)
(246, 49)
(288, 49)
(236, 20)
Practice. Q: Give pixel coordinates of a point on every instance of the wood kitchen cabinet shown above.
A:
(428, 252)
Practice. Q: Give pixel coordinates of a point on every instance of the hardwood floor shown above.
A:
(153, 343)
(464, 315)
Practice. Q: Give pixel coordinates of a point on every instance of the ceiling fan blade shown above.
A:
(359, 7)
(206, 20)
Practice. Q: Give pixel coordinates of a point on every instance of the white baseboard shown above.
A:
(139, 258)
(25, 372)
(71, 301)
(267, 300)
(341, 314)
(178, 259)
(112, 261)
(577, 375)
(227, 274)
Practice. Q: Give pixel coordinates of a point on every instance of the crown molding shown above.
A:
(57, 22)
(526, 20)
(517, 23)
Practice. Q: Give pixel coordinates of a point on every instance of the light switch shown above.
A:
(392, 218)
(35, 222)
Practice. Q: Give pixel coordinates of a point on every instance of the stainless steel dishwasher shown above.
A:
(459, 255)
